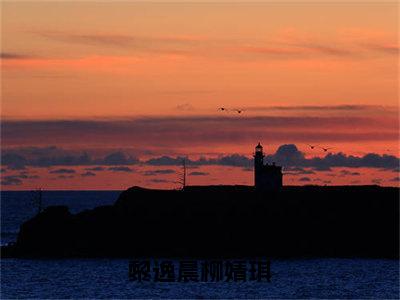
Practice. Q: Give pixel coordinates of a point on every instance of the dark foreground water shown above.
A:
(103, 278)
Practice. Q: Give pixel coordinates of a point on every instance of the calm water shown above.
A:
(102, 278)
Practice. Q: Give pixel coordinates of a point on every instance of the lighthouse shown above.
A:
(267, 177)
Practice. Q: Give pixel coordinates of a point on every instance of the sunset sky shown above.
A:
(107, 95)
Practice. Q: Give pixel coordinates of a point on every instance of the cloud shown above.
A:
(88, 174)
(290, 157)
(287, 155)
(305, 179)
(10, 55)
(340, 108)
(158, 172)
(299, 50)
(63, 171)
(198, 173)
(95, 169)
(166, 161)
(10, 180)
(395, 179)
(25, 175)
(19, 158)
(326, 49)
(390, 49)
(229, 160)
(149, 44)
(298, 171)
(118, 158)
(120, 169)
(156, 180)
(346, 173)
(178, 132)
(13, 161)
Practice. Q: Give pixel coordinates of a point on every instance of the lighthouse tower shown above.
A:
(266, 177)
(258, 164)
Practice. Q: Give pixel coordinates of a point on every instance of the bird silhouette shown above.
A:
(312, 146)
(222, 109)
(239, 111)
(325, 149)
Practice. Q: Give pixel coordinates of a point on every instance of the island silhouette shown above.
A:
(264, 220)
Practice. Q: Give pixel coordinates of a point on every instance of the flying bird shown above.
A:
(239, 111)
(312, 146)
(325, 149)
(222, 109)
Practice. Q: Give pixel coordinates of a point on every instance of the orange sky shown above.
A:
(91, 61)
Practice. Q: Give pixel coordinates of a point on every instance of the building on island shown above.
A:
(266, 177)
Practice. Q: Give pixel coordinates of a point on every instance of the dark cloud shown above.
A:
(11, 180)
(341, 108)
(322, 168)
(13, 161)
(158, 172)
(349, 173)
(308, 50)
(198, 173)
(120, 169)
(88, 174)
(178, 132)
(305, 179)
(62, 171)
(166, 161)
(9, 55)
(395, 179)
(95, 169)
(42, 157)
(287, 155)
(118, 158)
(25, 175)
(156, 180)
(19, 158)
(163, 45)
(290, 157)
(298, 171)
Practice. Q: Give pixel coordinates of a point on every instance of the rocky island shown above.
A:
(221, 221)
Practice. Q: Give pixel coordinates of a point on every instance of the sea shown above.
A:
(108, 278)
